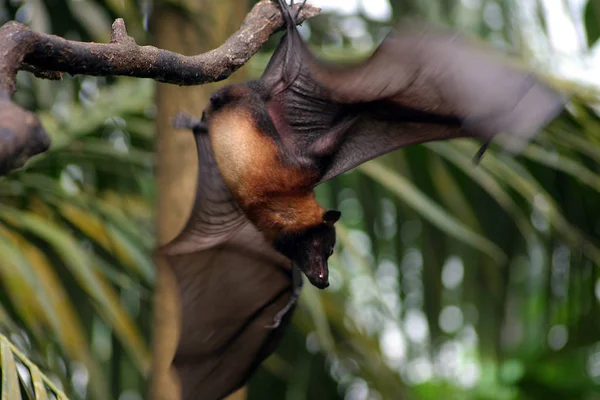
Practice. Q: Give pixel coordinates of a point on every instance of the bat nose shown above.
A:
(320, 279)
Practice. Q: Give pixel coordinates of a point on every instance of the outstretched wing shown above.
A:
(421, 84)
(230, 295)
(215, 214)
(231, 283)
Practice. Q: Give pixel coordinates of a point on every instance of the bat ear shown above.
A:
(330, 217)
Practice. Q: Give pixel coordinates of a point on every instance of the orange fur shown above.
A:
(276, 197)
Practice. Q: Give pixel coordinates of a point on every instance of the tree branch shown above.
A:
(47, 56)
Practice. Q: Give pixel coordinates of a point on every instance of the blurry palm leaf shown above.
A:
(129, 96)
(81, 266)
(492, 187)
(515, 175)
(25, 266)
(409, 193)
(21, 376)
(592, 21)
(563, 163)
(76, 237)
(108, 227)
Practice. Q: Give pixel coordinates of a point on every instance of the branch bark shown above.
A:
(48, 56)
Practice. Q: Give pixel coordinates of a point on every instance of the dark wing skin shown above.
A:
(232, 285)
(421, 84)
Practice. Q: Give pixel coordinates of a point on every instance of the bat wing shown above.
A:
(421, 84)
(230, 294)
(215, 214)
(231, 283)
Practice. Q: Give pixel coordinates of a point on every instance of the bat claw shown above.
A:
(275, 324)
(183, 120)
(299, 9)
(279, 316)
(288, 307)
(479, 155)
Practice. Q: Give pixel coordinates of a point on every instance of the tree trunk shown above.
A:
(199, 26)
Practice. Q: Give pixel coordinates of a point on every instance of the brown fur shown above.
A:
(277, 198)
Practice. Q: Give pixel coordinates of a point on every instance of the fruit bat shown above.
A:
(264, 145)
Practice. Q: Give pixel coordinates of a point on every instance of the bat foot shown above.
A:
(296, 290)
(275, 324)
(279, 316)
(299, 9)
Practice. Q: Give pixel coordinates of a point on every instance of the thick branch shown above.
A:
(48, 55)
(122, 56)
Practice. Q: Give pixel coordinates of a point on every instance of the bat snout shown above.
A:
(319, 277)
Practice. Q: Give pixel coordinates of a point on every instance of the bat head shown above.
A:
(311, 248)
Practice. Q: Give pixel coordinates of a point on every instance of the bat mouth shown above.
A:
(319, 277)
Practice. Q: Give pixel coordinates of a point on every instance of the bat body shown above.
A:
(272, 184)
(265, 144)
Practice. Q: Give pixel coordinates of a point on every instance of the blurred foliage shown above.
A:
(21, 378)
(449, 281)
(76, 238)
(77, 226)
(592, 18)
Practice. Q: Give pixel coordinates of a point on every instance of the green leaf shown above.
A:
(514, 175)
(99, 222)
(106, 235)
(129, 96)
(38, 383)
(577, 145)
(80, 265)
(490, 185)
(592, 21)
(10, 377)
(431, 211)
(45, 293)
(17, 283)
(451, 194)
(563, 163)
